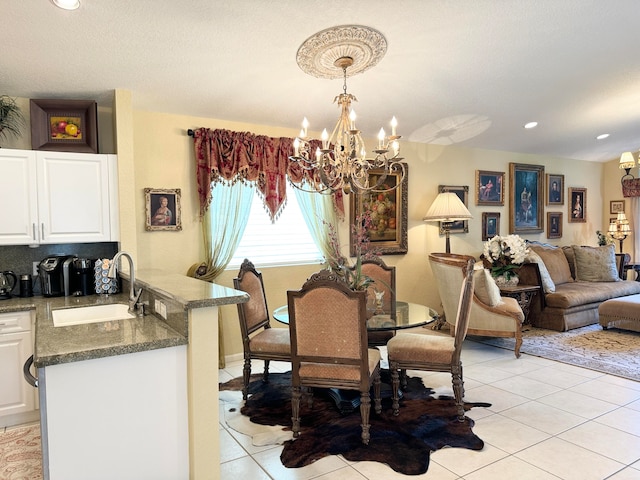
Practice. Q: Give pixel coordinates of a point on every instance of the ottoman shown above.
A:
(621, 312)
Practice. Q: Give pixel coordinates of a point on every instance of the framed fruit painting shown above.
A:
(64, 125)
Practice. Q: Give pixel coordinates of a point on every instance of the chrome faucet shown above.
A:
(133, 296)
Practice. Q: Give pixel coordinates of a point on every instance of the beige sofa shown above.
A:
(575, 280)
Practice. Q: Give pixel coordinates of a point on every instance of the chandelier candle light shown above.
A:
(342, 163)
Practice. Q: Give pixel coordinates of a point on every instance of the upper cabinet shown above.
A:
(58, 197)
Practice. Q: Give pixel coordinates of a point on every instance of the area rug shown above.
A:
(612, 351)
(425, 424)
(20, 454)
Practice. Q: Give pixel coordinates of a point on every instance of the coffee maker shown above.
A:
(81, 277)
(54, 275)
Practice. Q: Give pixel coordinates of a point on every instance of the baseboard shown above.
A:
(236, 357)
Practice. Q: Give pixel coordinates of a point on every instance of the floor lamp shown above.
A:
(447, 208)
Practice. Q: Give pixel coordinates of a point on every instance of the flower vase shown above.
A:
(503, 281)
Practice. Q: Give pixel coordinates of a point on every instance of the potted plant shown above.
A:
(11, 118)
(505, 254)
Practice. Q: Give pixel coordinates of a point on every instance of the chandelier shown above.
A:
(341, 161)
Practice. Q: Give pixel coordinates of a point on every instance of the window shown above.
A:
(285, 242)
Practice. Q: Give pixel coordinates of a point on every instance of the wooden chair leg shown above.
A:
(365, 409)
(458, 390)
(395, 387)
(265, 375)
(246, 375)
(295, 411)
(376, 394)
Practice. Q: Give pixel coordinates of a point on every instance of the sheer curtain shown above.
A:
(222, 227)
(634, 220)
(318, 211)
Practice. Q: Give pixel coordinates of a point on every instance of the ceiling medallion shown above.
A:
(318, 54)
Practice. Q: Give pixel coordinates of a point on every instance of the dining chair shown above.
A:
(259, 340)
(329, 348)
(431, 352)
(384, 278)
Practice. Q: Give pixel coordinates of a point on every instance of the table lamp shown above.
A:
(447, 208)
(619, 229)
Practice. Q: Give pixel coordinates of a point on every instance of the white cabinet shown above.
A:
(17, 397)
(58, 197)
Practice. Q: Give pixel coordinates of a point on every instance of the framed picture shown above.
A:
(525, 198)
(64, 125)
(489, 188)
(490, 225)
(459, 226)
(554, 189)
(554, 224)
(577, 205)
(616, 206)
(389, 212)
(162, 206)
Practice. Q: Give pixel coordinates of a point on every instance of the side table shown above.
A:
(632, 266)
(524, 294)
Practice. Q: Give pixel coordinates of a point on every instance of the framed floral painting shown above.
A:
(388, 212)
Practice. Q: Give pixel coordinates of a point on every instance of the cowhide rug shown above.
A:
(425, 424)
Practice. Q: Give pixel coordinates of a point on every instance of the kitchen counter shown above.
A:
(56, 345)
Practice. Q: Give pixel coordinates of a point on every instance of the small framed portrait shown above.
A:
(489, 188)
(554, 224)
(459, 226)
(616, 206)
(162, 207)
(64, 125)
(490, 225)
(555, 189)
(577, 205)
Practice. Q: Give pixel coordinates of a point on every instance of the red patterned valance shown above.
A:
(631, 187)
(225, 156)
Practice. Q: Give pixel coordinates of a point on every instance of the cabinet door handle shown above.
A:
(34, 231)
(42, 229)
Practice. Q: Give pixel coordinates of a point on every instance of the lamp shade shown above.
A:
(627, 161)
(447, 207)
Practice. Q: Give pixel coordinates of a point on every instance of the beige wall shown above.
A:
(155, 151)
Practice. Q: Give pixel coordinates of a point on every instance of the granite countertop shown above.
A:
(56, 345)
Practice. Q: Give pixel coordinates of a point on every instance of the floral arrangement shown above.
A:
(339, 264)
(506, 254)
(603, 239)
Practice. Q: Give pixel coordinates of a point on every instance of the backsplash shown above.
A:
(20, 258)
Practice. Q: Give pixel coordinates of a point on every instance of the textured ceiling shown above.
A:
(466, 72)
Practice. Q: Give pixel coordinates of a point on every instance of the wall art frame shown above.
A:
(554, 224)
(554, 189)
(490, 225)
(162, 209)
(577, 205)
(462, 191)
(489, 188)
(64, 125)
(616, 206)
(389, 212)
(526, 190)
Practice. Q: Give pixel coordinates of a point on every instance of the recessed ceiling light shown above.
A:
(531, 125)
(602, 136)
(66, 4)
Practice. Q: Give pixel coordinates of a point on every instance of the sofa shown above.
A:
(574, 281)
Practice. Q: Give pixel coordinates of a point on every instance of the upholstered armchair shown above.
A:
(491, 315)
(259, 340)
(329, 348)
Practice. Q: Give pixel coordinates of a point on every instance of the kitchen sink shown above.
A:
(97, 313)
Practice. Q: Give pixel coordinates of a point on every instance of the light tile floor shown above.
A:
(548, 420)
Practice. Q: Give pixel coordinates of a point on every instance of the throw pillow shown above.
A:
(596, 264)
(556, 262)
(485, 287)
(568, 252)
(547, 282)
